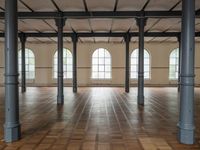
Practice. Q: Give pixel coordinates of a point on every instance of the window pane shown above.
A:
(65, 75)
(146, 75)
(55, 74)
(95, 68)
(95, 61)
(101, 61)
(69, 60)
(107, 75)
(26, 60)
(173, 61)
(107, 68)
(146, 68)
(101, 53)
(101, 68)
(69, 68)
(134, 75)
(31, 68)
(101, 75)
(146, 61)
(64, 61)
(69, 75)
(19, 61)
(20, 68)
(107, 61)
(31, 61)
(64, 68)
(55, 60)
(55, 68)
(95, 54)
(95, 75)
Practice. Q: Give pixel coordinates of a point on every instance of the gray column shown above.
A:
(186, 118)
(23, 62)
(141, 22)
(179, 62)
(60, 22)
(127, 71)
(12, 125)
(74, 39)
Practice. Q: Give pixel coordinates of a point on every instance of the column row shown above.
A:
(186, 120)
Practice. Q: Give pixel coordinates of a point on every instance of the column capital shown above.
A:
(179, 37)
(23, 37)
(60, 22)
(74, 37)
(141, 21)
(127, 37)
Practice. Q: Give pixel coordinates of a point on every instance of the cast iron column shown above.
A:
(127, 72)
(12, 125)
(74, 39)
(23, 62)
(60, 22)
(186, 118)
(141, 22)
(179, 63)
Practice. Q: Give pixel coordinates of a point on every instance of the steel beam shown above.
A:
(127, 71)
(23, 62)
(141, 22)
(98, 14)
(60, 23)
(104, 34)
(12, 125)
(74, 39)
(186, 118)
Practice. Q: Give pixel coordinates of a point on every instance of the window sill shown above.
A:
(101, 79)
(137, 79)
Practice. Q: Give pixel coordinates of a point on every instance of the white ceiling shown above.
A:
(161, 4)
(99, 25)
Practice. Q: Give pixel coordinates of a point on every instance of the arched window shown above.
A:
(30, 63)
(173, 64)
(134, 64)
(101, 64)
(67, 64)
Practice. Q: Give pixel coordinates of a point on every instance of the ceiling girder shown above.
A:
(99, 14)
(119, 34)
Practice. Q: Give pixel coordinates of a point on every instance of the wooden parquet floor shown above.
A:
(99, 119)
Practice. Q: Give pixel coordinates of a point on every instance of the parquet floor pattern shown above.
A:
(99, 119)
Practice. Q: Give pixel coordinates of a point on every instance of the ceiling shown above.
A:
(99, 25)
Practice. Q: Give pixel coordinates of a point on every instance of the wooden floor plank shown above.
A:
(99, 118)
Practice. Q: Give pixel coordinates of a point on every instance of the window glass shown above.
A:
(101, 64)
(134, 64)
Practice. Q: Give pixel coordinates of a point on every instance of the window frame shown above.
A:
(176, 65)
(26, 59)
(104, 58)
(54, 70)
(149, 58)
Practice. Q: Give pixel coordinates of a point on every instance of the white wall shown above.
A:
(159, 63)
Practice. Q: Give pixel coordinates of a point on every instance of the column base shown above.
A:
(12, 132)
(140, 100)
(75, 90)
(186, 136)
(23, 90)
(127, 90)
(60, 100)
